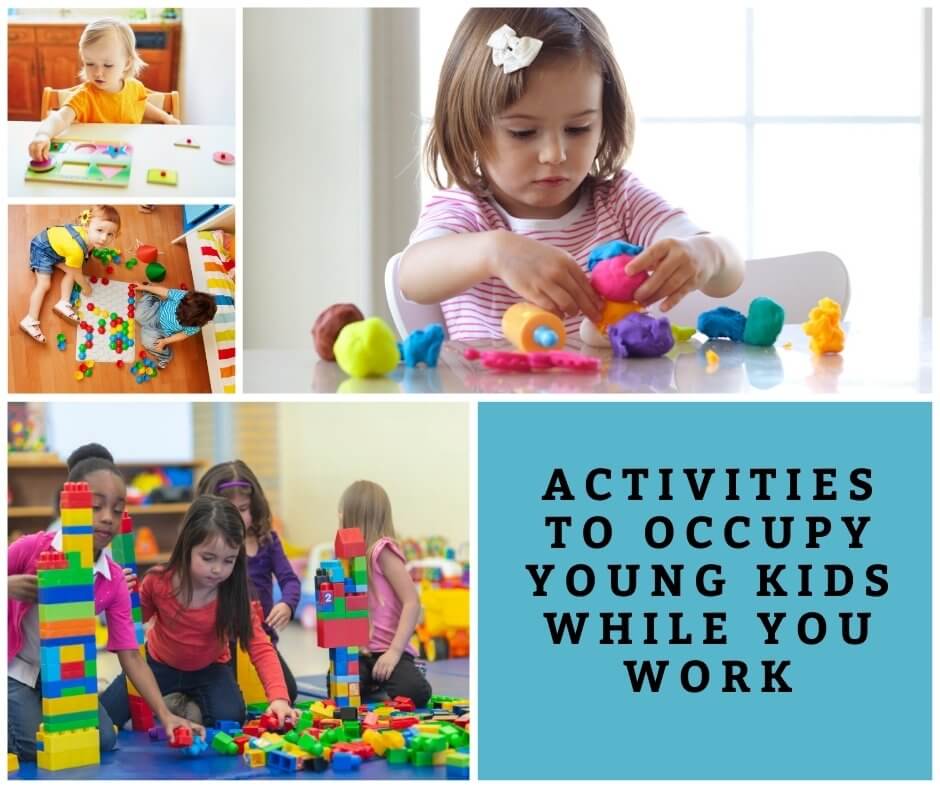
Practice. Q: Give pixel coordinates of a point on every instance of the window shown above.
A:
(785, 130)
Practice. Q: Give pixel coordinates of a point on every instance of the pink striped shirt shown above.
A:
(621, 208)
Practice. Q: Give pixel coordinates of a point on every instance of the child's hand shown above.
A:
(546, 276)
(131, 579)
(282, 709)
(279, 617)
(675, 271)
(24, 588)
(170, 721)
(39, 147)
(385, 664)
(159, 345)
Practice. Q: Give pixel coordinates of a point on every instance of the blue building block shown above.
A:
(54, 595)
(345, 762)
(722, 322)
(227, 726)
(281, 761)
(334, 569)
(422, 346)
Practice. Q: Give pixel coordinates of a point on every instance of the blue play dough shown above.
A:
(722, 322)
(641, 336)
(422, 345)
(611, 249)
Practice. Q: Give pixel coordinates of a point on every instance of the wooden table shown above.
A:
(874, 364)
(153, 148)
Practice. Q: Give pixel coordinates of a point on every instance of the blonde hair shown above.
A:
(100, 28)
(471, 91)
(365, 505)
(106, 213)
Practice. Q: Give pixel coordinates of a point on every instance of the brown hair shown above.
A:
(107, 213)
(228, 478)
(210, 516)
(195, 309)
(472, 91)
(99, 29)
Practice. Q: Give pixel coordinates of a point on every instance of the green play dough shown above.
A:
(682, 333)
(366, 348)
(764, 322)
(156, 272)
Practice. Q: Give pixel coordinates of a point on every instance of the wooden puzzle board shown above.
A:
(96, 162)
(112, 298)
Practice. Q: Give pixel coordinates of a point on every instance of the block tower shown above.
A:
(343, 614)
(68, 734)
(124, 553)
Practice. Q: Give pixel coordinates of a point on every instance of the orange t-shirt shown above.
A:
(93, 105)
(184, 638)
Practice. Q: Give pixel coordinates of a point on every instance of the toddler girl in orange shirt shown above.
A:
(109, 93)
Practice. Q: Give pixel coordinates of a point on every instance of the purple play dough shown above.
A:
(640, 336)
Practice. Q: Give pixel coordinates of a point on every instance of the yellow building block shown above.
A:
(321, 711)
(67, 750)
(248, 681)
(77, 517)
(439, 758)
(254, 757)
(394, 740)
(71, 653)
(13, 763)
(54, 706)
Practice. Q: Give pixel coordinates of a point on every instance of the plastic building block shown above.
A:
(165, 177)
(224, 744)
(181, 737)
(13, 763)
(254, 757)
(345, 762)
(349, 543)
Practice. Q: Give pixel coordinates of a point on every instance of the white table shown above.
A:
(153, 148)
(875, 363)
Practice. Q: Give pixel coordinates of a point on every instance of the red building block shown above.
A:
(72, 670)
(357, 602)
(141, 714)
(349, 543)
(182, 737)
(342, 632)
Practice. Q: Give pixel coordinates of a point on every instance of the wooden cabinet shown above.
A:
(47, 56)
(34, 483)
(23, 90)
(58, 66)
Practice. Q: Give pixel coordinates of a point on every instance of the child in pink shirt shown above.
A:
(111, 598)
(394, 609)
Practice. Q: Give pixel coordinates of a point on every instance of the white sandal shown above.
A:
(32, 329)
(64, 309)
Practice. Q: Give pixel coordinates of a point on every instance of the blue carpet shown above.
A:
(137, 757)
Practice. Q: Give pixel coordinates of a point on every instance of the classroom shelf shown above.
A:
(34, 480)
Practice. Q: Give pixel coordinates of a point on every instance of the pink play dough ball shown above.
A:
(610, 281)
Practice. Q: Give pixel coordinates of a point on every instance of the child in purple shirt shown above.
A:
(266, 558)
(111, 598)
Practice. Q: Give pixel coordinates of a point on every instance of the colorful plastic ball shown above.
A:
(79, 375)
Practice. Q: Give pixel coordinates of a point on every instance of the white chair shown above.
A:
(407, 315)
(795, 281)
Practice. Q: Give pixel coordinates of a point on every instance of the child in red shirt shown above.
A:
(197, 602)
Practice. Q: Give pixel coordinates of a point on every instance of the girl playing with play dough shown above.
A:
(92, 464)
(170, 315)
(197, 603)
(532, 126)
(266, 559)
(388, 665)
(66, 248)
(109, 93)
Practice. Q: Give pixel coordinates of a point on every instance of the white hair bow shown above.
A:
(512, 52)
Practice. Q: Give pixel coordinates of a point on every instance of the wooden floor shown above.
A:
(43, 369)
